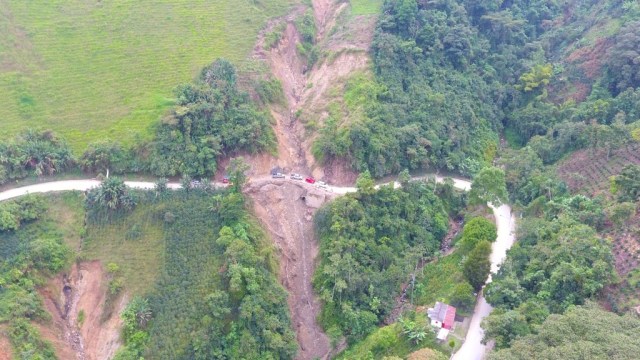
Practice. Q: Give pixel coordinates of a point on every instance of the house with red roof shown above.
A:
(443, 317)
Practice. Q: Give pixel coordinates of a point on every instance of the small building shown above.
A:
(442, 316)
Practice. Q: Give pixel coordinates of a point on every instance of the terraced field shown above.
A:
(94, 69)
(588, 171)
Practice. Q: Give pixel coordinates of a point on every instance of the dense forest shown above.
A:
(583, 332)
(370, 243)
(452, 78)
(449, 76)
(31, 250)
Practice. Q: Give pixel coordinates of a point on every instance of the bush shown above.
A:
(33, 153)
(476, 230)
(477, 266)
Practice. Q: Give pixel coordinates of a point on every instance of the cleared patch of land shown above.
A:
(588, 171)
(90, 70)
(135, 242)
(365, 7)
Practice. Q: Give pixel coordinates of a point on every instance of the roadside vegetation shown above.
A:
(216, 262)
(212, 118)
(31, 250)
(554, 85)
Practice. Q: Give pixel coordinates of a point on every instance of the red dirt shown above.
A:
(280, 207)
(86, 291)
(5, 348)
(589, 59)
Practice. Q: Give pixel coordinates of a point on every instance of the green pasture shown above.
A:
(95, 69)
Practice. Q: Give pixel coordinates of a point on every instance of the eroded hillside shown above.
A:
(287, 209)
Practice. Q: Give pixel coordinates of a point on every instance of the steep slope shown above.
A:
(286, 209)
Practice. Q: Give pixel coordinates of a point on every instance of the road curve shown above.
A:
(472, 349)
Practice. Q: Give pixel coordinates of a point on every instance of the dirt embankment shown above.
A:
(76, 302)
(286, 209)
(344, 42)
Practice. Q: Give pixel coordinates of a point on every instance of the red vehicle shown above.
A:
(225, 180)
(310, 180)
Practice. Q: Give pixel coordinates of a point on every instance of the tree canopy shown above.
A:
(212, 118)
(489, 186)
(583, 332)
(370, 242)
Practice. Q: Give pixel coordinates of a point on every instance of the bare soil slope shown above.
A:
(83, 289)
(286, 209)
(5, 348)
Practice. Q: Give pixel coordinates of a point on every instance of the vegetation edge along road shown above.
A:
(472, 347)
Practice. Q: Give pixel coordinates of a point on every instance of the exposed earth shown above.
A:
(286, 209)
(82, 291)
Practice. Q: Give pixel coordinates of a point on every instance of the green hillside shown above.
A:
(96, 69)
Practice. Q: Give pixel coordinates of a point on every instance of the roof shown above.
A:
(438, 312)
(449, 318)
(443, 313)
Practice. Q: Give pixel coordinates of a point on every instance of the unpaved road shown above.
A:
(472, 348)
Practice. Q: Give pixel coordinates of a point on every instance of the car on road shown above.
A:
(321, 184)
(195, 183)
(295, 176)
(310, 180)
(225, 180)
(278, 175)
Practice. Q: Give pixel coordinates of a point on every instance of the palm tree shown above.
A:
(112, 194)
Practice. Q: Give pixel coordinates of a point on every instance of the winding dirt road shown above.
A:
(472, 349)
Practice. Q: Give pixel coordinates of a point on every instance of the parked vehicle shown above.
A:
(321, 184)
(310, 180)
(295, 176)
(278, 175)
(225, 180)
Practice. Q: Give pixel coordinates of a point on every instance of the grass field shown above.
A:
(95, 69)
(440, 279)
(140, 256)
(365, 7)
(136, 243)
